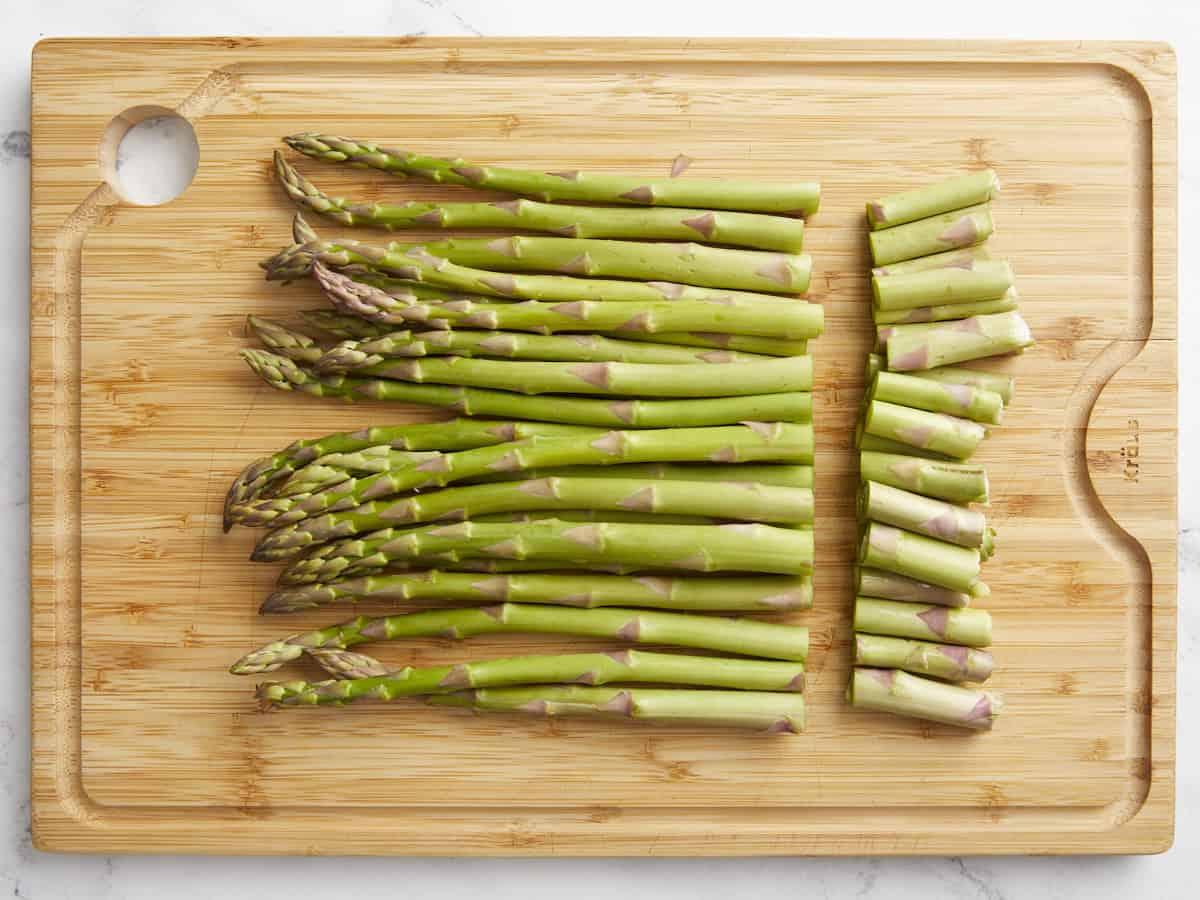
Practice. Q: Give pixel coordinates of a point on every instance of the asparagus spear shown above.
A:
(931, 622)
(890, 586)
(870, 443)
(415, 263)
(924, 515)
(922, 558)
(943, 313)
(769, 376)
(792, 199)
(772, 713)
(963, 400)
(963, 256)
(889, 690)
(683, 263)
(747, 637)
(741, 547)
(749, 442)
(343, 325)
(351, 355)
(775, 320)
(951, 481)
(653, 223)
(948, 661)
(938, 432)
(951, 342)
(962, 228)
(285, 341)
(989, 381)
(756, 593)
(749, 502)
(943, 197)
(981, 280)
(283, 374)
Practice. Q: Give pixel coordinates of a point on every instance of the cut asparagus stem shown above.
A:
(989, 381)
(772, 713)
(749, 502)
(890, 586)
(760, 231)
(951, 481)
(933, 199)
(792, 199)
(682, 263)
(351, 355)
(893, 691)
(747, 637)
(948, 231)
(585, 668)
(1007, 303)
(959, 257)
(283, 374)
(952, 342)
(962, 400)
(418, 264)
(756, 593)
(924, 515)
(769, 376)
(870, 443)
(285, 341)
(782, 319)
(742, 547)
(983, 280)
(938, 432)
(951, 662)
(750, 442)
(922, 558)
(343, 325)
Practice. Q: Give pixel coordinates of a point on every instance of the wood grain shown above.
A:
(142, 413)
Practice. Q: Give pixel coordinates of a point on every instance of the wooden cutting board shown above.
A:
(142, 413)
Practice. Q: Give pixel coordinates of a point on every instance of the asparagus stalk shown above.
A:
(947, 661)
(351, 355)
(943, 313)
(982, 280)
(283, 374)
(962, 400)
(997, 382)
(772, 713)
(791, 199)
(747, 637)
(963, 256)
(924, 515)
(932, 622)
(892, 691)
(343, 325)
(756, 593)
(749, 502)
(890, 586)
(936, 234)
(952, 342)
(769, 376)
(938, 432)
(751, 442)
(950, 481)
(585, 668)
(683, 263)
(782, 474)
(783, 319)
(742, 343)
(920, 557)
(741, 547)
(943, 197)
(870, 443)
(285, 341)
(415, 263)
(651, 223)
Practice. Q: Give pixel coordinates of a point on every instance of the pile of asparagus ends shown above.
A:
(939, 299)
(632, 449)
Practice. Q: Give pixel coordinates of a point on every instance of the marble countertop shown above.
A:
(26, 873)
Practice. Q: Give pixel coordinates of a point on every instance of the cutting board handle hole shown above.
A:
(149, 155)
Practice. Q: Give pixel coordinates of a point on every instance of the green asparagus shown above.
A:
(943, 197)
(951, 481)
(893, 691)
(890, 586)
(951, 342)
(962, 228)
(976, 404)
(967, 626)
(922, 558)
(924, 515)
(948, 661)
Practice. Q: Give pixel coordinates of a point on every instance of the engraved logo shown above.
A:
(1129, 452)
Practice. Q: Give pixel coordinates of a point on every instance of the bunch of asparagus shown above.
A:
(646, 457)
(938, 299)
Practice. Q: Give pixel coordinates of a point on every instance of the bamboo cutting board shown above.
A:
(142, 413)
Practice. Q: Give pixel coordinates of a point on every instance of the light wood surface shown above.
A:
(142, 413)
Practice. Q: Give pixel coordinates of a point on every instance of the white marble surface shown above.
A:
(25, 873)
